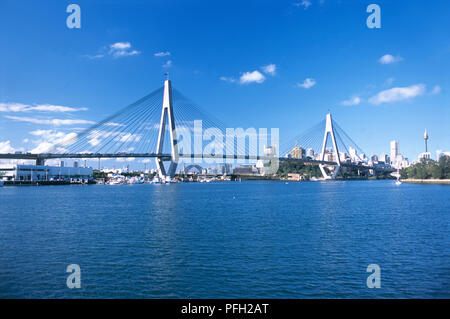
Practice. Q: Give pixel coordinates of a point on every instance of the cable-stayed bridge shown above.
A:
(167, 126)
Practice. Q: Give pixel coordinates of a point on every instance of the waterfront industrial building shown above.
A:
(38, 173)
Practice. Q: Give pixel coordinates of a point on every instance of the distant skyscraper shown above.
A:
(297, 152)
(425, 137)
(353, 156)
(394, 150)
(440, 153)
(384, 158)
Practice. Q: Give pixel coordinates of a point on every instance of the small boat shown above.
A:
(168, 180)
(116, 180)
(156, 180)
(398, 181)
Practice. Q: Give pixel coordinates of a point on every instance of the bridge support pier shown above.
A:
(167, 115)
(329, 130)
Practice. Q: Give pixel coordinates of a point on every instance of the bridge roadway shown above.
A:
(40, 158)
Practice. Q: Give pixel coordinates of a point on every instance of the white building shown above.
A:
(343, 157)
(35, 173)
(440, 153)
(384, 158)
(221, 169)
(394, 150)
(404, 163)
(353, 155)
(397, 159)
(424, 155)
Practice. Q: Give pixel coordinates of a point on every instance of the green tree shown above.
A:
(428, 168)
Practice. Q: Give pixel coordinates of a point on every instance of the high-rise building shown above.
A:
(353, 155)
(384, 158)
(425, 137)
(440, 153)
(424, 155)
(297, 152)
(394, 150)
(310, 153)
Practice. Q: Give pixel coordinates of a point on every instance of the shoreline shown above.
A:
(427, 181)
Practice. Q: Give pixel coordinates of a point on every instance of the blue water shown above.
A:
(225, 240)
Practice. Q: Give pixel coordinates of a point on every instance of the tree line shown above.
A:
(428, 169)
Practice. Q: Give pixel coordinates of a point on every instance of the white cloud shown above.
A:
(168, 64)
(125, 159)
(13, 107)
(95, 137)
(52, 140)
(122, 53)
(436, 90)
(269, 69)
(113, 124)
(117, 50)
(56, 108)
(94, 141)
(398, 94)
(121, 49)
(249, 77)
(228, 79)
(389, 59)
(45, 143)
(307, 83)
(161, 54)
(18, 107)
(41, 132)
(56, 122)
(128, 137)
(355, 100)
(53, 135)
(120, 46)
(252, 76)
(94, 57)
(44, 147)
(6, 148)
(303, 3)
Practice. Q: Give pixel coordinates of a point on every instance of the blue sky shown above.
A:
(380, 84)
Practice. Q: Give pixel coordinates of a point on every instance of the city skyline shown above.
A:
(380, 87)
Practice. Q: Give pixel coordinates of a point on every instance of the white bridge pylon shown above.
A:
(167, 114)
(329, 131)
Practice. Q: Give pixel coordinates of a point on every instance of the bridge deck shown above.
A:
(46, 156)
